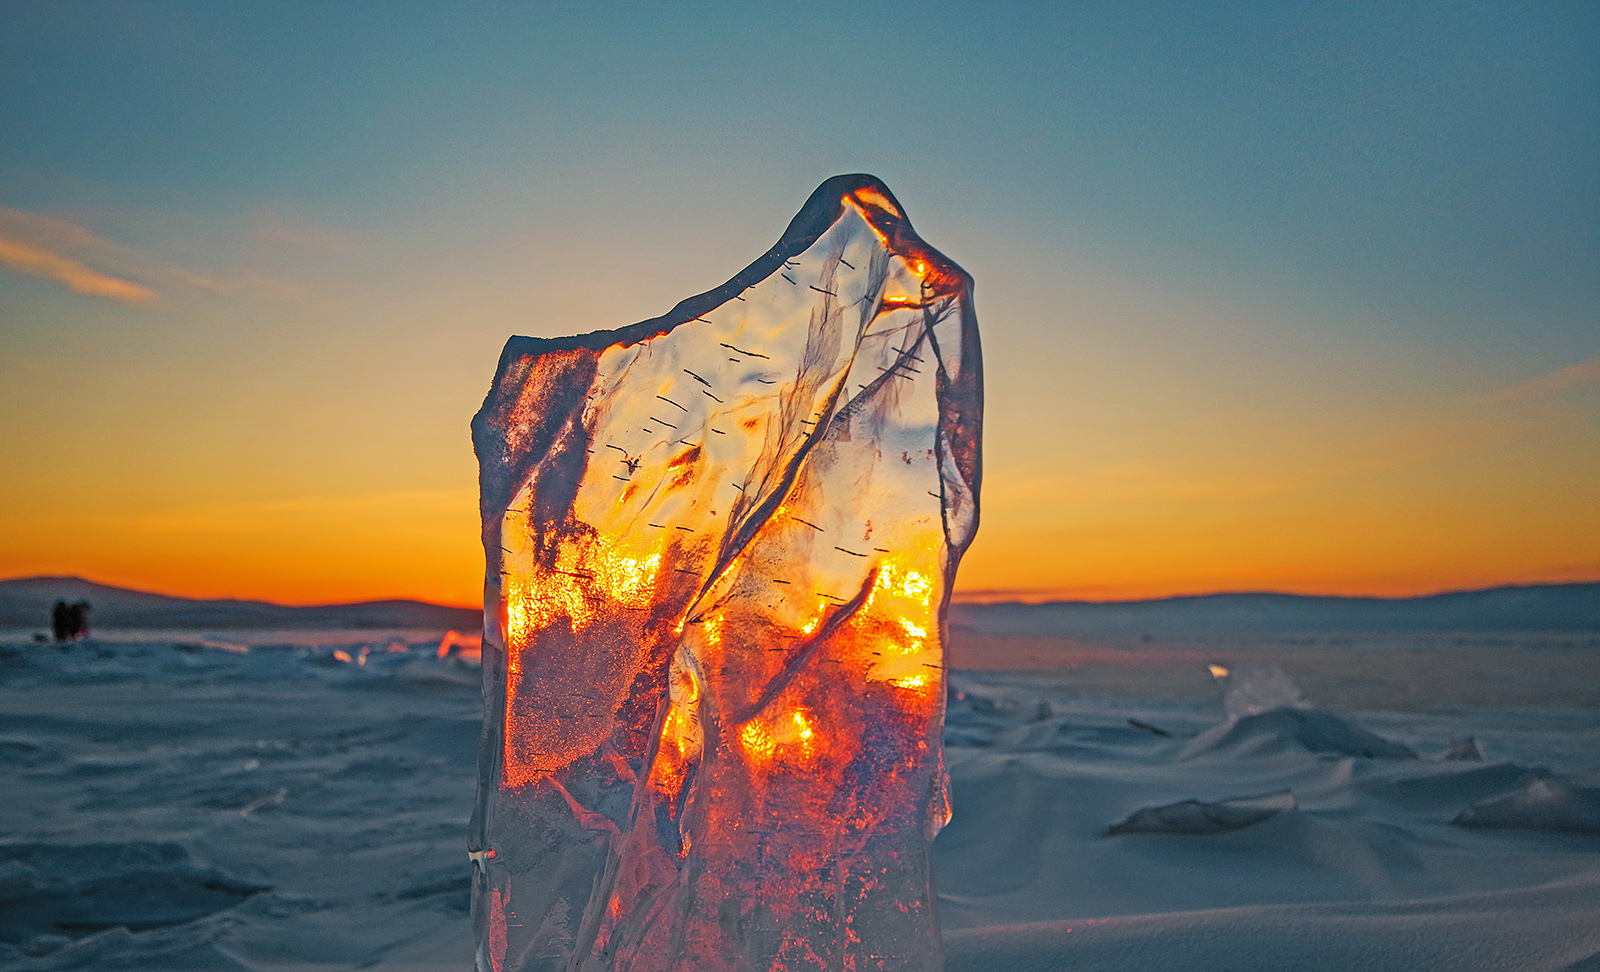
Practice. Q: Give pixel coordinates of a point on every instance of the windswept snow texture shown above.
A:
(720, 549)
(225, 801)
(287, 801)
(1291, 838)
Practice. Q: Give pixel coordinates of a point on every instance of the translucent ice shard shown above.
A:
(720, 547)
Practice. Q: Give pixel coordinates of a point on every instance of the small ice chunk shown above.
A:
(1466, 749)
(1256, 687)
(1546, 803)
(193, 645)
(1200, 818)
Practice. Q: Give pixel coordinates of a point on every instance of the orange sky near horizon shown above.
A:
(1217, 444)
(423, 545)
(1413, 514)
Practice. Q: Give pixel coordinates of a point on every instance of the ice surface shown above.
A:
(720, 547)
(360, 777)
(1349, 862)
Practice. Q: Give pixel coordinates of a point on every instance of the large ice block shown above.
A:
(720, 547)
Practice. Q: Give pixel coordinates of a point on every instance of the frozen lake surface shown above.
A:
(252, 800)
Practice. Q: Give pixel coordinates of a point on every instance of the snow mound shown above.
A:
(1291, 726)
(51, 894)
(1546, 928)
(1545, 803)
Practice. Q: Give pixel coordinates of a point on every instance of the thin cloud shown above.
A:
(1559, 380)
(44, 246)
(39, 262)
(50, 232)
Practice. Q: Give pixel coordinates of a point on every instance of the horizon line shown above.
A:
(979, 597)
(1035, 596)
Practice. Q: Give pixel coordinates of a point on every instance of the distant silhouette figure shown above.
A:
(61, 621)
(70, 621)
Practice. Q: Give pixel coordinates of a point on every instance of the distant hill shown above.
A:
(26, 602)
(1531, 609)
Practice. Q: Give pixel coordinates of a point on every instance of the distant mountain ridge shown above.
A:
(1530, 608)
(25, 603)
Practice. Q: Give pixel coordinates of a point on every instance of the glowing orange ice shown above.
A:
(720, 549)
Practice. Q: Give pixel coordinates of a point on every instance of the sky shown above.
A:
(1273, 296)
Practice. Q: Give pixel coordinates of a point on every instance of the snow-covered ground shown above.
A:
(254, 801)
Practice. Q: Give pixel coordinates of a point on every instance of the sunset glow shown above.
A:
(1281, 316)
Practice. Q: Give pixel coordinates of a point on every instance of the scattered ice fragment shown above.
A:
(461, 649)
(1147, 727)
(720, 546)
(1255, 687)
(1465, 748)
(1196, 817)
(1545, 803)
(211, 644)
